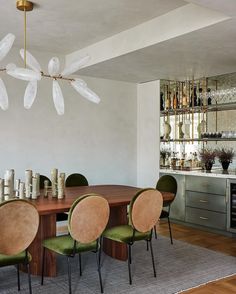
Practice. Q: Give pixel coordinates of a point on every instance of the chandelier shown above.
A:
(33, 73)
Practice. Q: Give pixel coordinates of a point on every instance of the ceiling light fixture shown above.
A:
(35, 73)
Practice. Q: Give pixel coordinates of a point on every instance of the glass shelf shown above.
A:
(210, 108)
(198, 140)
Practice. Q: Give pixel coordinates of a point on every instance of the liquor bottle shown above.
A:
(208, 96)
(168, 101)
(162, 101)
(200, 98)
(175, 100)
(184, 100)
(195, 96)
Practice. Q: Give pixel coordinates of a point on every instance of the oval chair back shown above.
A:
(43, 178)
(145, 209)
(167, 183)
(19, 226)
(74, 180)
(88, 218)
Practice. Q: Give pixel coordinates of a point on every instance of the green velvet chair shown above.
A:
(167, 183)
(19, 226)
(87, 219)
(144, 211)
(74, 180)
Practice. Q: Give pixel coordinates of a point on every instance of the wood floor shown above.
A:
(211, 241)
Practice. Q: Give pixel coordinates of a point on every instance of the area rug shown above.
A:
(180, 266)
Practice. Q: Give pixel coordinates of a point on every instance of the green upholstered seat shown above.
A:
(64, 245)
(144, 211)
(124, 234)
(87, 219)
(6, 260)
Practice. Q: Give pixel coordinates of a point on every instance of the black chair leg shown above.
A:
(43, 265)
(171, 240)
(80, 265)
(99, 267)
(147, 245)
(29, 278)
(69, 273)
(153, 262)
(18, 276)
(129, 263)
(155, 232)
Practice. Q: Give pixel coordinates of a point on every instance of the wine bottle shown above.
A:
(200, 98)
(175, 102)
(184, 100)
(161, 101)
(208, 96)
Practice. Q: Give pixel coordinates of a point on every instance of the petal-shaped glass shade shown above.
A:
(30, 60)
(24, 74)
(30, 94)
(6, 44)
(10, 66)
(58, 98)
(85, 92)
(80, 82)
(73, 67)
(54, 66)
(3, 96)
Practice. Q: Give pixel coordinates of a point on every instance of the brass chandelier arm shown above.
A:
(59, 77)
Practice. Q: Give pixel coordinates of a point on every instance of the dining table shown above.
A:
(118, 197)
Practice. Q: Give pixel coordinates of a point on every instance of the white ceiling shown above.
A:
(64, 26)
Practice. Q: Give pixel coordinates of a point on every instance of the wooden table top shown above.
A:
(116, 195)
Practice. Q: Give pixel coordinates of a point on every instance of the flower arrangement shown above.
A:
(208, 157)
(225, 157)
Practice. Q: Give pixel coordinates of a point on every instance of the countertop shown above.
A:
(217, 173)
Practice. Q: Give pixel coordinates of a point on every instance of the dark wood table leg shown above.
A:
(117, 250)
(47, 229)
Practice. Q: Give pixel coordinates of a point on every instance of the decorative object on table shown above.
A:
(61, 185)
(54, 175)
(28, 182)
(208, 158)
(35, 73)
(22, 190)
(46, 188)
(9, 183)
(1, 190)
(225, 157)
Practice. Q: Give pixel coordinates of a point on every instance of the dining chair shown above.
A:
(144, 211)
(74, 180)
(19, 226)
(87, 219)
(167, 183)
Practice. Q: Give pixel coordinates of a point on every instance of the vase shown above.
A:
(225, 165)
(167, 130)
(208, 165)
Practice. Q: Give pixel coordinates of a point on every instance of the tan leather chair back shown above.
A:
(146, 209)
(19, 221)
(88, 218)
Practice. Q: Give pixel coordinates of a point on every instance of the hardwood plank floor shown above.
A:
(208, 240)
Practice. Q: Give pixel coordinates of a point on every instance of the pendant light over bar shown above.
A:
(35, 73)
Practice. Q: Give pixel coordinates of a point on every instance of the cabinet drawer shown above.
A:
(206, 218)
(206, 184)
(206, 201)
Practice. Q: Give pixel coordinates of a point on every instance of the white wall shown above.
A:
(148, 146)
(96, 140)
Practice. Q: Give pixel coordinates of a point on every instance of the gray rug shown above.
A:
(179, 267)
